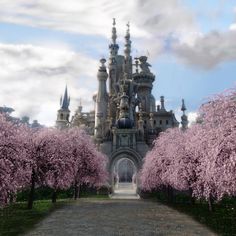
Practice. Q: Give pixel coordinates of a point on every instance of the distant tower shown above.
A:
(127, 51)
(114, 47)
(162, 103)
(184, 118)
(101, 101)
(63, 114)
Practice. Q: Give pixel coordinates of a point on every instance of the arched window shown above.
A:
(61, 116)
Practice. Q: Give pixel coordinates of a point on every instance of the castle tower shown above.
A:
(145, 80)
(113, 47)
(127, 54)
(184, 117)
(101, 102)
(63, 114)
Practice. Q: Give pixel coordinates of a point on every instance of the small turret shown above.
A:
(63, 113)
(65, 101)
(101, 100)
(162, 103)
(184, 117)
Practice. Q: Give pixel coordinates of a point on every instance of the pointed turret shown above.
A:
(127, 49)
(114, 47)
(63, 114)
(114, 36)
(184, 117)
(65, 101)
(127, 52)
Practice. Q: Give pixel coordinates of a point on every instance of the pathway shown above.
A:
(119, 218)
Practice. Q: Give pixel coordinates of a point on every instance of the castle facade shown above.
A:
(126, 119)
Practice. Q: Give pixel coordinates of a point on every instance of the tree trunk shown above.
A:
(170, 194)
(12, 196)
(31, 194)
(78, 191)
(54, 196)
(210, 204)
(192, 199)
(75, 191)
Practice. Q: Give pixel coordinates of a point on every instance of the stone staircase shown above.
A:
(125, 191)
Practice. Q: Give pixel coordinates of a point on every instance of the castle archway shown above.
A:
(123, 169)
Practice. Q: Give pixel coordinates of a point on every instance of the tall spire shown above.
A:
(183, 108)
(65, 101)
(114, 47)
(114, 35)
(184, 118)
(127, 49)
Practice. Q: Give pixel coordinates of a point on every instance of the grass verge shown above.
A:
(221, 220)
(16, 219)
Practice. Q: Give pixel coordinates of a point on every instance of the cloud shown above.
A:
(93, 17)
(151, 20)
(208, 50)
(232, 27)
(192, 116)
(33, 78)
(158, 26)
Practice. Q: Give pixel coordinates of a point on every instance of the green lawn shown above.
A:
(17, 219)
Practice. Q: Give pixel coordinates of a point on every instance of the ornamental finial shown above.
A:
(114, 35)
(183, 108)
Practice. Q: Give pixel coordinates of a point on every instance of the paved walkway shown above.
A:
(119, 218)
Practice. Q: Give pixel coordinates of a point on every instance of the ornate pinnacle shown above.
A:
(183, 108)
(103, 61)
(127, 41)
(114, 36)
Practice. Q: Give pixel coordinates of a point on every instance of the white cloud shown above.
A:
(93, 17)
(155, 24)
(232, 27)
(33, 78)
(152, 21)
(209, 50)
(192, 116)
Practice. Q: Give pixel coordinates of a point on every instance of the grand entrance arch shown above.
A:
(123, 168)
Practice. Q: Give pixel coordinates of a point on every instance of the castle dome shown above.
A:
(124, 123)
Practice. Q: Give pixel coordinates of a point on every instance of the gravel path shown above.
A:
(119, 218)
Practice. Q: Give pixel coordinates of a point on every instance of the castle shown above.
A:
(126, 119)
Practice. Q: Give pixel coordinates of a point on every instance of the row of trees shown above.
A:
(31, 158)
(201, 159)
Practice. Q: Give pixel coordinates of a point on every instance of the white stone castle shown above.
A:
(126, 119)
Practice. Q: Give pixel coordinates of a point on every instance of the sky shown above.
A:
(45, 45)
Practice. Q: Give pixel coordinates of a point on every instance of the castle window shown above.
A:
(67, 117)
(160, 122)
(167, 122)
(61, 116)
(155, 122)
